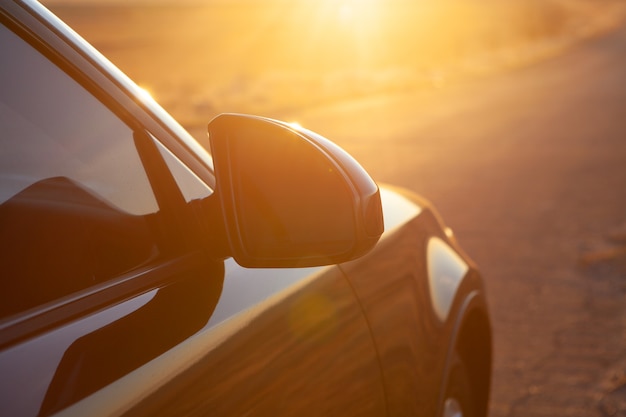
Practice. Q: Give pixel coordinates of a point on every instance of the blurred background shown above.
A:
(202, 57)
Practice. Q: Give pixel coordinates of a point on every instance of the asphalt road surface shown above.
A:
(529, 169)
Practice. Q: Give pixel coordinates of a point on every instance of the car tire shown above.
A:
(458, 401)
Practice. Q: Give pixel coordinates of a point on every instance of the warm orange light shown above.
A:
(145, 93)
(345, 13)
(360, 15)
(271, 56)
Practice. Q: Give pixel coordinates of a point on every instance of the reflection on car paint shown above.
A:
(244, 288)
(397, 210)
(311, 325)
(392, 288)
(28, 365)
(446, 269)
(246, 293)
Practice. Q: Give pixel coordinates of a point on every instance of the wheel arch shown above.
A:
(472, 341)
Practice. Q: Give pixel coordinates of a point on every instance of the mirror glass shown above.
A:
(288, 197)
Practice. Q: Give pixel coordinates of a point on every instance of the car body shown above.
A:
(123, 240)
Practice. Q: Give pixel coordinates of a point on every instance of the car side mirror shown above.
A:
(290, 197)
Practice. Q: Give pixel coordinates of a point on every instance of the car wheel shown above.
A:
(458, 401)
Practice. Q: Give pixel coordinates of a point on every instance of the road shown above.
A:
(529, 169)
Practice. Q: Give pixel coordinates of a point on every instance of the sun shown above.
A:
(357, 12)
(346, 13)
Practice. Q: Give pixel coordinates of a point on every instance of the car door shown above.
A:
(411, 341)
(92, 261)
(112, 301)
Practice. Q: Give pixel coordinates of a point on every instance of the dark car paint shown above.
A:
(196, 335)
(255, 315)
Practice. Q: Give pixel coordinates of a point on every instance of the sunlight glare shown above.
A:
(345, 13)
(350, 12)
(145, 93)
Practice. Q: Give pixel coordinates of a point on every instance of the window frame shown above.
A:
(94, 78)
(39, 27)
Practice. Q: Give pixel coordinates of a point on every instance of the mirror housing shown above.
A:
(290, 197)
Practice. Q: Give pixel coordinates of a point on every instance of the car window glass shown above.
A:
(192, 187)
(76, 206)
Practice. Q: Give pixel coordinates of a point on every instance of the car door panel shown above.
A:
(303, 349)
(78, 357)
(391, 284)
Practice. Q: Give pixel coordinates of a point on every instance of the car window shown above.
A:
(76, 205)
(192, 187)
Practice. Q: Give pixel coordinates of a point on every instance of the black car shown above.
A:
(145, 275)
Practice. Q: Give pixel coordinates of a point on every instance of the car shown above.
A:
(144, 274)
